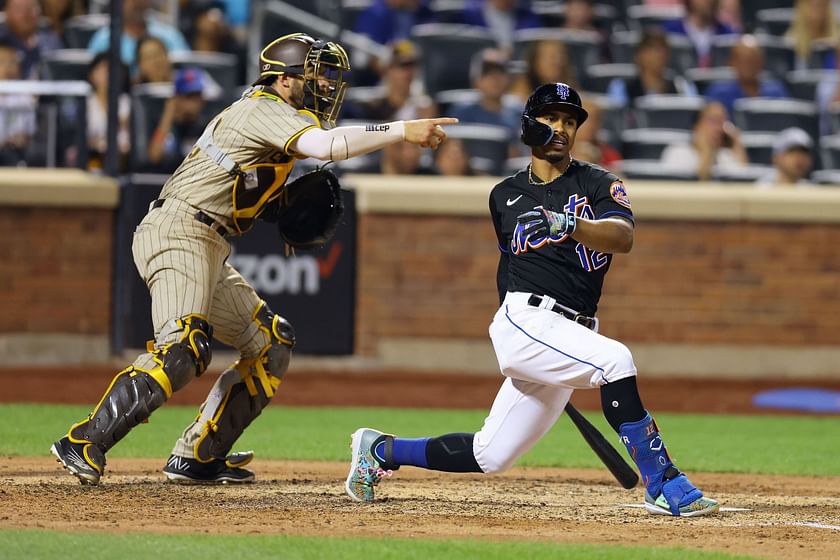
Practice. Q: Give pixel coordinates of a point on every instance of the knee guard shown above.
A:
(259, 378)
(182, 351)
(130, 399)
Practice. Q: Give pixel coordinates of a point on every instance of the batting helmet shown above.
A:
(319, 62)
(558, 95)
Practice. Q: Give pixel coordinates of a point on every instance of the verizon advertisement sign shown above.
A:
(314, 290)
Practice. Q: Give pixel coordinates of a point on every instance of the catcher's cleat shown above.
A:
(83, 460)
(365, 470)
(183, 470)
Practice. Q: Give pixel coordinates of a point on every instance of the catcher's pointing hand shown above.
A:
(427, 133)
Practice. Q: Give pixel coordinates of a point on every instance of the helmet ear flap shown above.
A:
(535, 133)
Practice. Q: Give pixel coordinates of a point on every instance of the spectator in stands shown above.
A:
(403, 158)
(654, 77)
(17, 112)
(747, 60)
(136, 24)
(589, 144)
(700, 24)
(210, 32)
(97, 115)
(21, 30)
(398, 101)
(153, 64)
(715, 145)
(793, 159)
(59, 11)
(386, 21)
(814, 23)
(579, 15)
(488, 74)
(502, 18)
(546, 61)
(181, 123)
(452, 159)
(828, 96)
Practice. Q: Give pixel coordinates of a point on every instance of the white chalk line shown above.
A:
(725, 509)
(818, 525)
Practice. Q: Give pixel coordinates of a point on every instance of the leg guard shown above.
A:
(183, 352)
(241, 392)
(659, 474)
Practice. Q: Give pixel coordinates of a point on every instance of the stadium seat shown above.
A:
(759, 146)
(350, 10)
(746, 174)
(649, 143)
(79, 29)
(774, 21)
(653, 170)
(447, 51)
(486, 143)
(667, 111)
(451, 97)
(623, 46)
(830, 151)
(553, 14)
(751, 8)
(584, 46)
(702, 77)
(683, 53)
(66, 64)
(448, 11)
(613, 117)
(641, 16)
(802, 84)
(598, 76)
(216, 65)
(761, 114)
(827, 177)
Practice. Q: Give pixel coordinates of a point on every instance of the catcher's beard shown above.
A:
(296, 95)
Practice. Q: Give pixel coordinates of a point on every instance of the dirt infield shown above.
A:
(573, 506)
(764, 516)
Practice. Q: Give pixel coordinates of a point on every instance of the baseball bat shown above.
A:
(623, 473)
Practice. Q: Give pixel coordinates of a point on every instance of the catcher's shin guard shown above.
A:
(183, 352)
(241, 392)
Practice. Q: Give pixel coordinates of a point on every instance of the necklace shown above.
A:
(543, 183)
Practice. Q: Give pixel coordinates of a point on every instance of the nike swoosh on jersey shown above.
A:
(512, 202)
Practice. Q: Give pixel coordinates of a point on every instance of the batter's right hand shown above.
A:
(427, 133)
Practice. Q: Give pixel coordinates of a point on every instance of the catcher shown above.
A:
(235, 173)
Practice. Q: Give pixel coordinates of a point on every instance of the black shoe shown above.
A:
(190, 471)
(83, 460)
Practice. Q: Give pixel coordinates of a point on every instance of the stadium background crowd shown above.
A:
(730, 90)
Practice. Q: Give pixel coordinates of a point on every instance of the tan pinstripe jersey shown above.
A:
(254, 130)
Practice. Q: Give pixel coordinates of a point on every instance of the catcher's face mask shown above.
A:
(324, 86)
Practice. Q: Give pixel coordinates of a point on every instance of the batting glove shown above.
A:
(543, 222)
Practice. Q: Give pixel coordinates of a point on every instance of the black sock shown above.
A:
(452, 453)
(621, 402)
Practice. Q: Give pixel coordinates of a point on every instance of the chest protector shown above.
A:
(254, 186)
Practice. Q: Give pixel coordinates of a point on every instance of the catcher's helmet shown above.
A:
(315, 60)
(558, 95)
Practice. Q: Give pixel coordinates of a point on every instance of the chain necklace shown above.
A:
(543, 183)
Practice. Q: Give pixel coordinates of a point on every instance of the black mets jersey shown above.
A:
(560, 266)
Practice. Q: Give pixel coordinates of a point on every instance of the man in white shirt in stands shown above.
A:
(793, 159)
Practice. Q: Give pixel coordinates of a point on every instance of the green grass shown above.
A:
(800, 445)
(66, 546)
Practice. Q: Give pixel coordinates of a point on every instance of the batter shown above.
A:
(558, 223)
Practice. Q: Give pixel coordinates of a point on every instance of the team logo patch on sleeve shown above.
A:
(619, 194)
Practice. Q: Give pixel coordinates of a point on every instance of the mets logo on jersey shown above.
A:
(619, 194)
(563, 91)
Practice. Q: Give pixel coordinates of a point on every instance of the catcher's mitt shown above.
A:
(308, 210)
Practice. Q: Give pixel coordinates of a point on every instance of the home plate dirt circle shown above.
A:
(765, 516)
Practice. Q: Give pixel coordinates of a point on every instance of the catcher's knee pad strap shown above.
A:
(647, 449)
(130, 399)
(182, 351)
(274, 355)
(235, 412)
